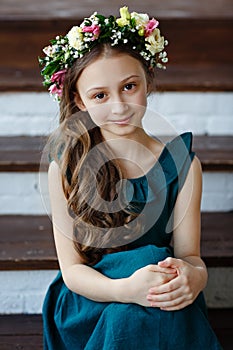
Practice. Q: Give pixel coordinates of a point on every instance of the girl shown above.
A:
(118, 197)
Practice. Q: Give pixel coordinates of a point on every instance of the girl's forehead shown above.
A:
(115, 67)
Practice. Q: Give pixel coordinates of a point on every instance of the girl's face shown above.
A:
(114, 92)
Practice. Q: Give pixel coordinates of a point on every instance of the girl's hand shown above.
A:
(144, 279)
(180, 291)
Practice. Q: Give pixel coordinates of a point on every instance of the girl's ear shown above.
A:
(79, 103)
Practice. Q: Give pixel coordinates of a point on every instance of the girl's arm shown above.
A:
(85, 280)
(191, 270)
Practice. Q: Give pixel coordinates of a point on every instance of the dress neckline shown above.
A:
(159, 160)
(142, 177)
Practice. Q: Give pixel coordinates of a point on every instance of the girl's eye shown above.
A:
(99, 96)
(129, 86)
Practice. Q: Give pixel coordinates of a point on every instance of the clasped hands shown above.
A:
(170, 285)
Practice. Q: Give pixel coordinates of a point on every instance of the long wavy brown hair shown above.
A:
(91, 177)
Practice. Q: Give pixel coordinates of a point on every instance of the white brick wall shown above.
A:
(37, 113)
(25, 193)
(21, 193)
(219, 289)
(27, 114)
(24, 291)
(217, 193)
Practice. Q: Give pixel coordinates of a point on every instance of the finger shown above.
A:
(159, 278)
(176, 307)
(171, 262)
(170, 304)
(173, 284)
(163, 278)
(156, 268)
(169, 276)
(161, 298)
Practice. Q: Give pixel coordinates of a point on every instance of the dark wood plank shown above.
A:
(10, 9)
(21, 332)
(215, 152)
(20, 324)
(21, 342)
(195, 62)
(204, 78)
(221, 322)
(217, 238)
(26, 242)
(23, 153)
(25, 331)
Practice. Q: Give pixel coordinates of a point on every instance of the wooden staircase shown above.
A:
(200, 39)
(33, 245)
(200, 52)
(25, 331)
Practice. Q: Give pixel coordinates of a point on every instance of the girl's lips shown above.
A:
(122, 122)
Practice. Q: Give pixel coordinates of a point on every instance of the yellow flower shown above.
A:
(155, 42)
(141, 19)
(125, 17)
(75, 38)
(141, 32)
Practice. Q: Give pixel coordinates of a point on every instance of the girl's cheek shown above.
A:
(98, 115)
(101, 111)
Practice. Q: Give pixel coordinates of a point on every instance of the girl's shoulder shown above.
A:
(173, 141)
(175, 160)
(175, 149)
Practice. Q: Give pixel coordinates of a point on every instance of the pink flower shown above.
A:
(58, 80)
(150, 27)
(54, 90)
(59, 77)
(94, 29)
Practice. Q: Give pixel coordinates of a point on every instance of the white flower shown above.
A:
(75, 38)
(155, 42)
(66, 56)
(49, 50)
(141, 19)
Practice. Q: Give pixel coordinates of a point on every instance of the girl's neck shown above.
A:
(128, 146)
(135, 153)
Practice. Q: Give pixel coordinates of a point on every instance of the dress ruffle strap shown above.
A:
(173, 164)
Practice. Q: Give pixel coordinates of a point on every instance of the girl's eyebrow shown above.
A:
(130, 77)
(104, 87)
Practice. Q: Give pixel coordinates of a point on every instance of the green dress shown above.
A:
(73, 322)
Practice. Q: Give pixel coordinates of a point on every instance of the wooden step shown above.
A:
(56, 9)
(26, 242)
(200, 40)
(21, 332)
(23, 153)
(25, 331)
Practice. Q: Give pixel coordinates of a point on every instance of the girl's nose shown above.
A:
(119, 107)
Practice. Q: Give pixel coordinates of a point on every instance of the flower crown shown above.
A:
(134, 29)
